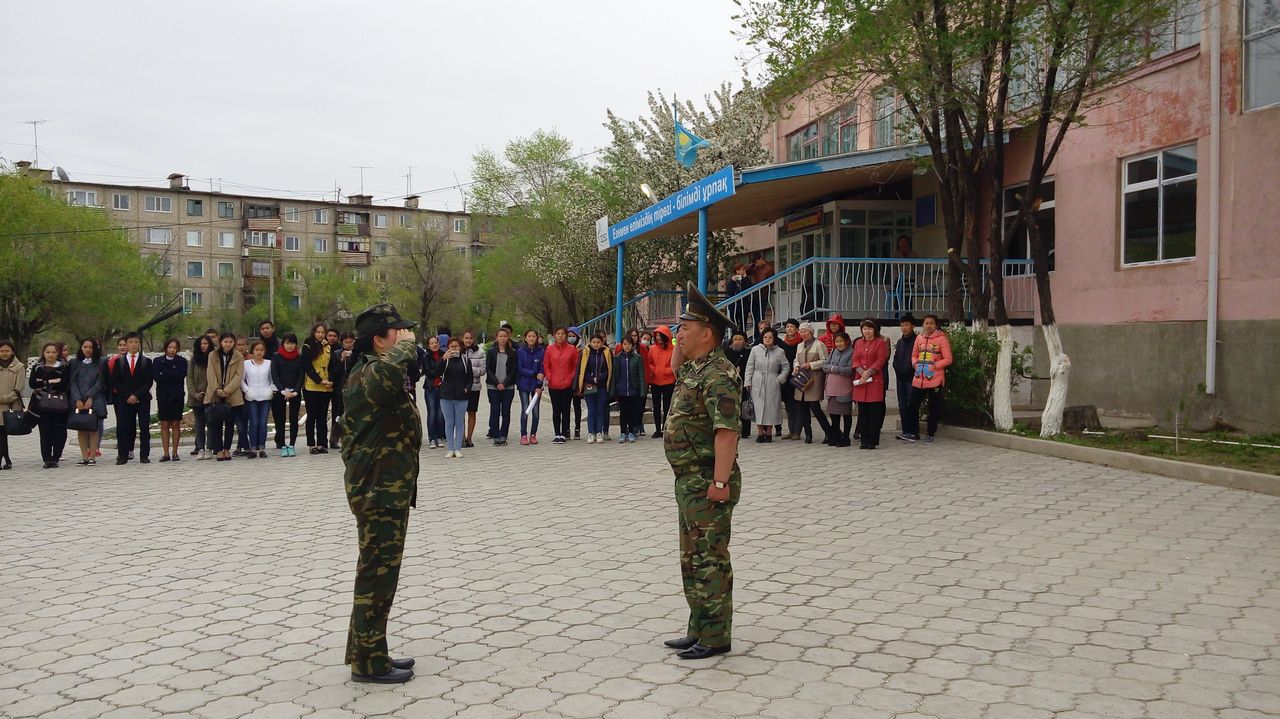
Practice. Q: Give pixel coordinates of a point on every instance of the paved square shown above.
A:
(948, 581)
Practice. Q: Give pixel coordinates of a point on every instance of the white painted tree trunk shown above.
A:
(1002, 392)
(1059, 375)
(979, 325)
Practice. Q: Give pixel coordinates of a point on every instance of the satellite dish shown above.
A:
(62, 174)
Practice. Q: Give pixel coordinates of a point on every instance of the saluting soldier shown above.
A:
(701, 442)
(382, 436)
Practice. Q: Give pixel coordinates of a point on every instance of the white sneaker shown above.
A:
(591, 439)
(448, 455)
(601, 438)
(457, 455)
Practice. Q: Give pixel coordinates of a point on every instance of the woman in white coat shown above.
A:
(767, 372)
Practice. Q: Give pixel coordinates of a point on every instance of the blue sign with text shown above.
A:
(704, 192)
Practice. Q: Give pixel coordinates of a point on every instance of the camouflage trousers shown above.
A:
(704, 555)
(381, 535)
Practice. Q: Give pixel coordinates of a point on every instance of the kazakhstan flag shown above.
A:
(687, 146)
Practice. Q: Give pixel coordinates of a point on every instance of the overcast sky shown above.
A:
(290, 95)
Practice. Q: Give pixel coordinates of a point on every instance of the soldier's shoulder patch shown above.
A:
(728, 405)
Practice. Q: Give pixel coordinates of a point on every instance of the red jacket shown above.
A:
(930, 358)
(870, 354)
(657, 363)
(828, 338)
(560, 365)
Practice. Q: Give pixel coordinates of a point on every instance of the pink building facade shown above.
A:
(1155, 249)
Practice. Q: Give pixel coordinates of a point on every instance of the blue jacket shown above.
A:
(529, 362)
(628, 375)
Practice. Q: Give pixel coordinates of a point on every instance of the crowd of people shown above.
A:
(233, 386)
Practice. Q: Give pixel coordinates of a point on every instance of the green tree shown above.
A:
(56, 262)
(965, 71)
(426, 274)
(331, 292)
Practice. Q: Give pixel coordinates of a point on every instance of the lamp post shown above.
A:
(271, 279)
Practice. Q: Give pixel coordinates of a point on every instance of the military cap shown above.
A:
(699, 309)
(379, 318)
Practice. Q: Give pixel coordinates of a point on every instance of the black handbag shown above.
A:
(83, 421)
(335, 431)
(748, 410)
(218, 412)
(45, 401)
(15, 423)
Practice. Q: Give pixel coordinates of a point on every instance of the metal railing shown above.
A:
(819, 286)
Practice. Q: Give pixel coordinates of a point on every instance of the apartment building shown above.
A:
(224, 249)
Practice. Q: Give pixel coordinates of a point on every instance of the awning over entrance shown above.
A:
(765, 194)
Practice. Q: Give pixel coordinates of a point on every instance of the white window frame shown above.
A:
(884, 118)
(259, 238)
(231, 206)
(154, 233)
(199, 238)
(381, 248)
(405, 221)
(460, 225)
(82, 198)
(320, 217)
(196, 263)
(231, 267)
(292, 243)
(1183, 29)
(1007, 213)
(197, 299)
(358, 274)
(227, 240)
(1271, 33)
(154, 203)
(255, 265)
(380, 221)
(436, 223)
(292, 214)
(1158, 183)
(293, 273)
(199, 203)
(295, 302)
(164, 268)
(120, 201)
(320, 244)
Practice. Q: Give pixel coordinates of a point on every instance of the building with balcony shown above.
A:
(227, 249)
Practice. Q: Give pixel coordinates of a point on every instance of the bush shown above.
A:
(971, 376)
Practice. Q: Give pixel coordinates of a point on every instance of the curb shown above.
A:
(1189, 471)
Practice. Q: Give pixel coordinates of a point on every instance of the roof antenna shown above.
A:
(408, 183)
(460, 192)
(35, 132)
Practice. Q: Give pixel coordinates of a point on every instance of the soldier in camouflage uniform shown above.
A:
(701, 442)
(381, 439)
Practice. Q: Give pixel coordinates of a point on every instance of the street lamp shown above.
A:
(271, 279)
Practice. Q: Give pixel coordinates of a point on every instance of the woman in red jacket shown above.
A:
(869, 355)
(560, 365)
(660, 376)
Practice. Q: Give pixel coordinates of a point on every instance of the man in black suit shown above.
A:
(131, 383)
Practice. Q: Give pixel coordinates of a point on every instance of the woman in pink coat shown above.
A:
(869, 356)
(930, 358)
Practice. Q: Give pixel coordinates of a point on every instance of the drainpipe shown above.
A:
(1215, 163)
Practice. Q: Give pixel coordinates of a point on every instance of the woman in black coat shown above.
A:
(88, 390)
(51, 375)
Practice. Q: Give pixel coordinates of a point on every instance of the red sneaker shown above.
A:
(533, 439)
(524, 441)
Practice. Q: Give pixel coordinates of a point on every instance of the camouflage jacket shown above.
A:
(707, 398)
(381, 432)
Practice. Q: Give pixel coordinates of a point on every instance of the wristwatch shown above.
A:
(721, 485)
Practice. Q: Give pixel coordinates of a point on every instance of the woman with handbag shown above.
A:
(170, 371)
(456, 376)
(49, 401)
(838, 370)
(197, 385)
(224, 398)
(11, 375)
(869, 355)
(89, 398)
(806, 377)
(317, 389)
(595, 379)
(765, 378)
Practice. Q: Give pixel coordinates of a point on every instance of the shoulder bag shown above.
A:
(802, 379)
(47, 401)
(16, 423)
(82, 421)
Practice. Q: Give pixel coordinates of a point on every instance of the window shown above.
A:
(226, 239)
(164, 267)
(158, 236)
(357, 274)
(226, 210)
(317, 271)
(406, 221)
(228, 301)
(803, 144)
(1261, 53)
(197, 300)
(261, 211)
(1181, 30)
(1018, 247)
(260, 268)
(380, 248)
(195, 238)
(295, 302)
(459, 225)
(159, 204)
(83, 198)
(226, 270)
(380, 221)
(293, 273)
(155, 300)
(195, 269)
(849, 128)
(1159, 206)
(320, 217)
(292, 214)
(293, 243)
(260, 238)
(886, 114)
(435, 223)
(119, 201)
(380, 275)
(462, 251)
(195, 208)
(321, 244)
